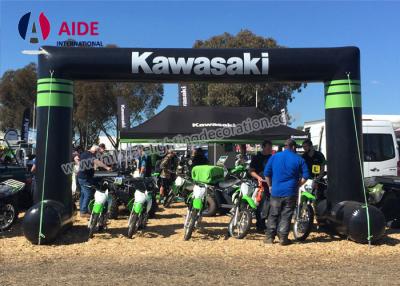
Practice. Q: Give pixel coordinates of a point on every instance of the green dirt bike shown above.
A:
(99, 208)
(219, 196)
(304, 213)
(305, 209)
(179, 187)
(197, 200)
(141, 206)
(244, 207)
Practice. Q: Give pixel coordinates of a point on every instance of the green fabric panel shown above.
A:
(343, 88)
(342, 100)
(55, 99)
(54, 80)
(342, 81)
(54, 87)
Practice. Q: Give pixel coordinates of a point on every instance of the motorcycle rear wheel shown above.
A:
(303, 223)
(114, 212)
(9, 215)
(169, 199)
(211, 208)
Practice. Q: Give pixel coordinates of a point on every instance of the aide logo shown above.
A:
(38, 30)
(44, 25)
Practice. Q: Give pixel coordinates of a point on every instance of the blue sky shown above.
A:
(372, 26)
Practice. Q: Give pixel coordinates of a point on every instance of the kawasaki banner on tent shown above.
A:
(175, 122)
(337, 68)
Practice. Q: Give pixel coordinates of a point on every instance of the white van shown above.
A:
(381, 150)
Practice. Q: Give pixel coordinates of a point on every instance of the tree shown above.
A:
(17, 92)
(272, 97)
(95, 106)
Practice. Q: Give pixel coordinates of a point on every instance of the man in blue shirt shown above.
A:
(285, 173)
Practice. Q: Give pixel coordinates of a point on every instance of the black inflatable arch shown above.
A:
(337, 68)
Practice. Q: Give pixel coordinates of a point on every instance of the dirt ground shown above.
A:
(159, 256)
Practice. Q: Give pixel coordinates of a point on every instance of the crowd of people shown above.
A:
(279, 174)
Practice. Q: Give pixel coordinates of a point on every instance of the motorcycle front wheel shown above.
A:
(190, 223)
(240, 223)
(169, 199)
(211, 208)
(94, 219)
(113, 213)
(133, 224)
(8, 215)
(303, 222)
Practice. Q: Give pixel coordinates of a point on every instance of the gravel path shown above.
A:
(159, 256)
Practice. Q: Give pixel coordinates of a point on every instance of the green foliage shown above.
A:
(17, 92)
(95, 103)
(272, 96)
(95, 106)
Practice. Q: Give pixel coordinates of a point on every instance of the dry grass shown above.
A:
(159, 256)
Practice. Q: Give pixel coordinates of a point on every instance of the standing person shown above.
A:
(75, 158)
(199, 158)
(313, 157)
(76, 189)
(257, 166)
(285, 173)
(315, 160)
(142, 162)
(33, 172)
(87, 164)
(168, 166)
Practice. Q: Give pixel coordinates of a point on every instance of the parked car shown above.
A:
(381, 150)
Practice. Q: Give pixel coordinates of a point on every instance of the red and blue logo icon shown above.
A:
(44, 27)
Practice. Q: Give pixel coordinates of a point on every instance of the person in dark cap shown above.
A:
(256, 169)
(285, 173)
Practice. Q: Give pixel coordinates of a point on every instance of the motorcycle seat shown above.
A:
(228, 183)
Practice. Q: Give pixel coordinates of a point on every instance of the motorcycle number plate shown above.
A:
(179, 181)
(245, 189)
(140, 197)
(100, 197)
(316, 169)
(199, 192)
(118, 181)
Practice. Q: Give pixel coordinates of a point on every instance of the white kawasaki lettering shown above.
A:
(212, 124)
(200, 65)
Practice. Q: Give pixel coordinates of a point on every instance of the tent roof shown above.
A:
(187, 121)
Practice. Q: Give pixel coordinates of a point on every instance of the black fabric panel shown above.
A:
(345, 180)
(294, 64)
(59, 151)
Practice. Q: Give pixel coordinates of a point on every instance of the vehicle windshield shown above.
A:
(378, 147)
